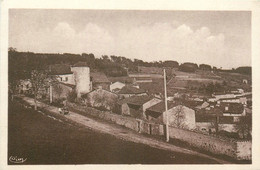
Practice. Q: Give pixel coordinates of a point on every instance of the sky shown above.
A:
(218, 38)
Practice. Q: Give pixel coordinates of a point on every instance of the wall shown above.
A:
(70, 78)
(203, 125)
(60, 91)
(102, 98)
(125, 109)
(227, 127)
(244, 150)
(209, 143)
(188, 117)
(97, 85)
(82, 79)
(216, 145)
(128, 122)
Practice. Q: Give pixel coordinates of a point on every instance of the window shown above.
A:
(61, 79)
(66, 78)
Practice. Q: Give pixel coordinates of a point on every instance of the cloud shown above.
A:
(164, 41)
(159, 41)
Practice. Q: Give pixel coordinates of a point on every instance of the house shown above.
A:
(61, 90)
(232, 109)
(141, 78)
(99, 79)
(206, 119)
(136, 106)
(116, 86)
(242, 100)
(78, 75)
(63, 73)
(178, 115)
(217, 119)
(128, 91)
(101, 99)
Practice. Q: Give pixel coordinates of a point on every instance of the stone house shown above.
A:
(77, 75)
(136, 106)
(99, 79)
(63, 73)
(61, 90)
(179, 115)
(116, 86)
(232, 109)
(216, 119)
(101, 99)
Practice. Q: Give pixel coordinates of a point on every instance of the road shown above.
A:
(102, 142)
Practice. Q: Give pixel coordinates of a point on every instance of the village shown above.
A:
(219, 122)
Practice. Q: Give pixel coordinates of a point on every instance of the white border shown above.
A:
(227, 5)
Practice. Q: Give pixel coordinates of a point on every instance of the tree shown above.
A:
(179, 117)
(39, 81)
(244, 126)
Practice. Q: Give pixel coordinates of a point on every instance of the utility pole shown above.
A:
(51, 93)
(166, 109)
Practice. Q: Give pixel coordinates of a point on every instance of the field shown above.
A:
(47, 140)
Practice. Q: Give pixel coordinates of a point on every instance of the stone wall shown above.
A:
(244, 150)
(216, 145)
(128, 122)
(213, 144)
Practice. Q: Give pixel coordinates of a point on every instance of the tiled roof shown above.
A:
(136, 100)
(160, 107)
(59, 69)
(131, 90)
(212, 111)
(99, 77)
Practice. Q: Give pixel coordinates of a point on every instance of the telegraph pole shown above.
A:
(166, 109)
(51, 93)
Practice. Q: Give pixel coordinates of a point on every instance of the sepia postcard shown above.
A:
(130, 83)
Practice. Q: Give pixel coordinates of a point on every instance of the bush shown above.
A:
(72, 96)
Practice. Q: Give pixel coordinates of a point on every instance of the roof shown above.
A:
(131, 90)
(231, 98)
(213, 111)
(59, 69)
(80, 64)
(118, 82)
(99, 77)
(136, 100)
(235, 108)
(69, 85)
(97, 90)
(160, 107)
(191, 103)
